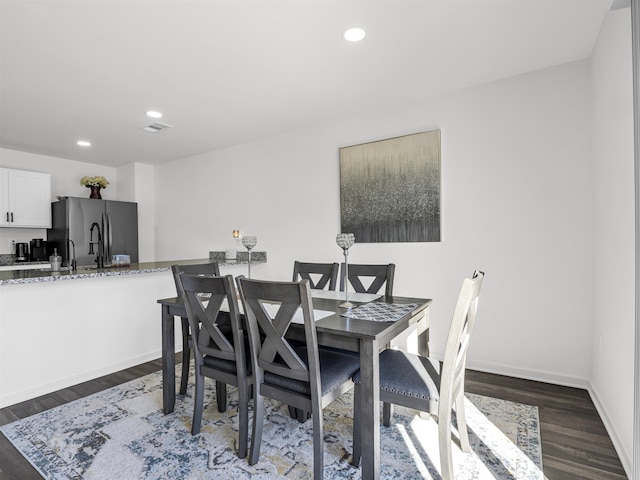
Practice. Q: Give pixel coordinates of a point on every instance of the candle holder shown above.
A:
(345, 241)
(249, 241)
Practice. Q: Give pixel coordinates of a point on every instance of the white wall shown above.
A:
(612, 348)
(137, 184)
(516, 203)
(65, 174)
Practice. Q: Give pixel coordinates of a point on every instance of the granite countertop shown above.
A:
(14, 277)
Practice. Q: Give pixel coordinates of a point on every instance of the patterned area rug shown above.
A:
(121, 433)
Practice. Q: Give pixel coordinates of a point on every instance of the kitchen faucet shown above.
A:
(100, 256)
(73, 264)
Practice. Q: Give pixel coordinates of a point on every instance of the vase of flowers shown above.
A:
(95, 184)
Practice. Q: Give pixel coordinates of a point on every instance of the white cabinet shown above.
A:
(25, 199)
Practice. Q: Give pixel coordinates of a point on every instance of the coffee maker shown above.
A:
(39, 250)
(22, 252)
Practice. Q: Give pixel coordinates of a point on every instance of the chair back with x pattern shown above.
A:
(211, 269)
(203, 299)
(208, 269)
(287, 372)
(328, 274)
(381, 274)
(218, 353)
(267, 329)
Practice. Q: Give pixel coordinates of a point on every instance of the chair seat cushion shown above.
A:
(409, 375)
(220, 364)
(229, 365)
(335, 369)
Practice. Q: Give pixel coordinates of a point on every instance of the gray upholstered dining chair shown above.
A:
(211, 269)
(302, 376)
(328, 273)
(217, 354)
(380, 275)
(428, 385)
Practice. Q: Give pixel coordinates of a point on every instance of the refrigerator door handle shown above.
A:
(108, 251)
(105, 239)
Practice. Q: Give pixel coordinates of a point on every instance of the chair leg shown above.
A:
(256, 434)
(444, 443)
(318, 444)
(303, 416)
(197, 404)
(357, 440)
(243, 419)
(298, 414)
(186, 355)
(221, 395)
(293, 412)
(387, 413)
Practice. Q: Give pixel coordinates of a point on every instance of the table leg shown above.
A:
(370, 409)
(168, 361)
(423, 334)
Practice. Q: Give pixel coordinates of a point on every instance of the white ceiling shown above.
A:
(227, 72)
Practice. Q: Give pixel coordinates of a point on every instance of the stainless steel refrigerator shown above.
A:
(87, 222)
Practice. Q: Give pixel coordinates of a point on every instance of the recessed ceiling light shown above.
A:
(154, 114)
(84, 143)
(354, 34)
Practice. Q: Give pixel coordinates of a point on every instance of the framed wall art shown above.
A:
(390, 189)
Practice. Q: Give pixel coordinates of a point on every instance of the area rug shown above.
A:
(121, 433)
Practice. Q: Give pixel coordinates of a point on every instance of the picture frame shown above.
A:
(390, 189)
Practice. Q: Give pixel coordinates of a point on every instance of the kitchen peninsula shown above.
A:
(58, 329)
(37, 275)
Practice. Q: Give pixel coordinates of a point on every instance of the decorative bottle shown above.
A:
(55, 260)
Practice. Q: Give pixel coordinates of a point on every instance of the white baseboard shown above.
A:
(528, 374)
(45, 388)
(625, 457)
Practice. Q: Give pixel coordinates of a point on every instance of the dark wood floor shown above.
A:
(575, 444)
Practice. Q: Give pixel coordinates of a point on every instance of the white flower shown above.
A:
(94, 182)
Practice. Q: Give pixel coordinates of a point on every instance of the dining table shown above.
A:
(374, 323)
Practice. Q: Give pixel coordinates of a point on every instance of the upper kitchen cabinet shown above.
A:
(25, 199)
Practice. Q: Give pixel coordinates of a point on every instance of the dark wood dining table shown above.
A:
(367, 337)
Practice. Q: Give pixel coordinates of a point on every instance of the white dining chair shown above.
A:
(428, 385)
